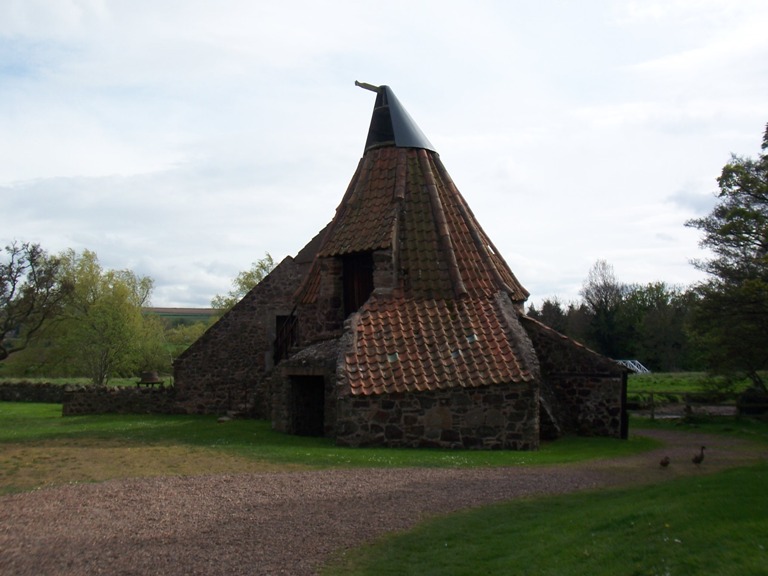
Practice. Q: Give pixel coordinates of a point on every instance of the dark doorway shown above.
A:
(357, 280)
(308, 405)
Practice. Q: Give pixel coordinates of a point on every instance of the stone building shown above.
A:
(401, 324)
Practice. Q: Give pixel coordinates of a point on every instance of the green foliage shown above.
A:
(628, 321)
(31, 293)
(88, 320)
(737, 228)
(69, 380)
(673, 387)
(693, 526)
(181, 336)
(731, 322)
(657, 390)
(244, 283)
(683, 382)
(152, 351)
(103, 332)
(657, 317)
(603, 296)
(731, 319)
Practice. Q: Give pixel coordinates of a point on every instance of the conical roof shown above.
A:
(449, 317)
(391, 123)
(402, 198)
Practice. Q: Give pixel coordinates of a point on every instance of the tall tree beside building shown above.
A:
(732, 316)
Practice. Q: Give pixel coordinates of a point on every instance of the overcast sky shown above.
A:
(185, 139)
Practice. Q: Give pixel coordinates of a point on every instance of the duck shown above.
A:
(699, 458)
(664, 462)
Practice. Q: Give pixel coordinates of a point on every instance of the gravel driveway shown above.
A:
(288, 523)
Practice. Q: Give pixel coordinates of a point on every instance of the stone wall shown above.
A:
(31, 392)
(590, 405)
(493, 417)
(324, 318)
(80, 400)
(584, 392)
(222, 371)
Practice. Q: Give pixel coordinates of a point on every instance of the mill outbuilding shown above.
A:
(401, 324)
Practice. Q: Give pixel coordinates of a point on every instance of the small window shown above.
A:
(286, 336)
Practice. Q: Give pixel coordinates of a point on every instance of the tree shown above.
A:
(244, 283)
(732, 316)
(577, 321)
(737, 228)
(181, 336)
(31, 294)
(551, 314)
(153, 351)
(103, 328)
(603, 295)
(731, 322)
(656, 315)
(646, 322)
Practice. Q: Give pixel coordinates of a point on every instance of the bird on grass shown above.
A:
(664, 462)
(699, 458)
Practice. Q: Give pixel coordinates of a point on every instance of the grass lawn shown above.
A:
(682, 383)
(695, 526)
(705, 525)
(673, 388)
(39, 447)
(743, 427)
(61, 381)
(715, 524)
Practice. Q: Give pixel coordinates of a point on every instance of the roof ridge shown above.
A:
(481, 239)
(443, 233)
(309, 282)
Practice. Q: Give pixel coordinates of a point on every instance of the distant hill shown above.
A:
(183, 315)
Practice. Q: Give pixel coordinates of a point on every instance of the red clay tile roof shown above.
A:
(416, 345)
(367, 214)
(404, 199)
(449, 321)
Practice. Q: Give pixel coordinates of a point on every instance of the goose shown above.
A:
(699, 458)
(664, 462)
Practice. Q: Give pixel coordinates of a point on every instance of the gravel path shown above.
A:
(288, 523)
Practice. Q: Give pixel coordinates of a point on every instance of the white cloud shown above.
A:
(186, 139)
(46, 19)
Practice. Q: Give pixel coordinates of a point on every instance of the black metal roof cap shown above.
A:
(391, 125)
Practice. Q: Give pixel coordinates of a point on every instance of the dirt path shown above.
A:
(288, 523)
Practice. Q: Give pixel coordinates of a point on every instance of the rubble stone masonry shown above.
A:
(492, 417)
(587, 391)
(222, 371)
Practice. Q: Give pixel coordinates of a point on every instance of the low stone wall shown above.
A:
(45, 392)
(79, 400)
(492, 417)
